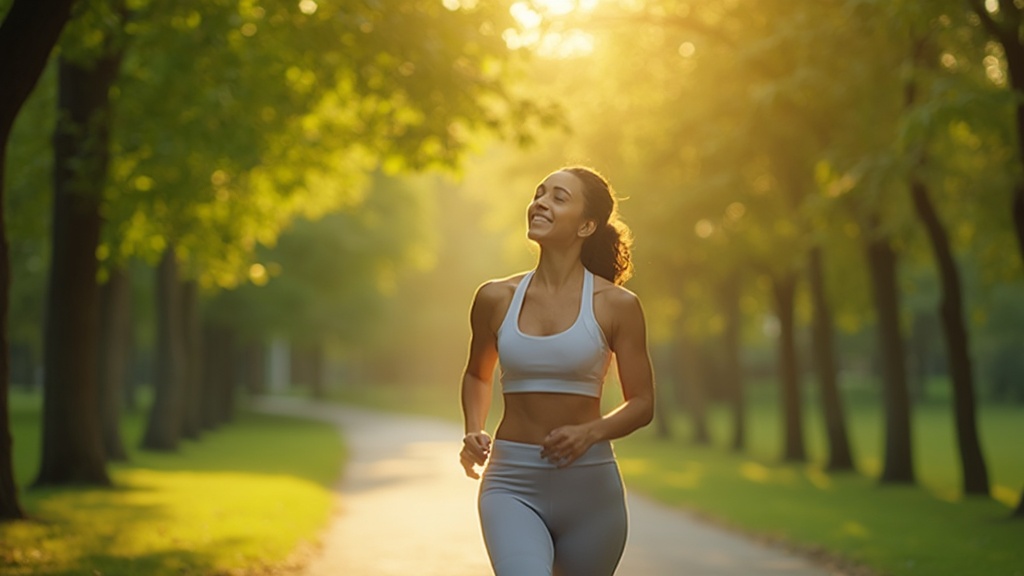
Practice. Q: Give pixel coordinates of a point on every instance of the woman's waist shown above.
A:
(530, 417)
(528, 455)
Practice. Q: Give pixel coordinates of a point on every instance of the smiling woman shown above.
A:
(554, 330)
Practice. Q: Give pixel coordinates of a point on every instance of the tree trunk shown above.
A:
(72, 433)
(898, 458)
(840, 457)
(1014, 51)
(694, 394)
(1019, 511)
(972, 462)
(219, 375)
(163, 431)
(784, 289)
(922, 328)
(218, 357)
(316, 370)
(29, 30)
(732, 369)
(192, 372)
(115, 331)
(254, 367)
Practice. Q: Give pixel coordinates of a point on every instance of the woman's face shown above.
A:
(556, 212)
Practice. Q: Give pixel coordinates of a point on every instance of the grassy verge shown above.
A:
(928, 530)
(900, 530)
(240, 501)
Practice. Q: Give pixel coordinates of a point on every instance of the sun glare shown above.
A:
(554, 43)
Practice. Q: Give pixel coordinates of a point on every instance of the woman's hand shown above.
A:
(476, 447)
(565, 444)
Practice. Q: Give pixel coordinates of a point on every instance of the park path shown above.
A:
(406, 508)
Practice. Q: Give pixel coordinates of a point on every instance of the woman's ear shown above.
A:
(588, 228)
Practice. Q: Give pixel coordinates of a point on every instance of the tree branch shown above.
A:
(991, 24)
(27, 36)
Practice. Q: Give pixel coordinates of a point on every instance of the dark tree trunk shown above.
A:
(192, 422)
(972, 462)
(1019, 511)
(662, 356)
(898, 458)
(254, 367)
(1007, 33)
(1013, 48)
(732, 371)
(215, 369)
(784, 290)
(163, 431)
(72, 433)
(922, 328)
(839, 454)
(115, 332)
(27, 35)
(694, 394)
(316, 370)
(232, 377)
(219, 375)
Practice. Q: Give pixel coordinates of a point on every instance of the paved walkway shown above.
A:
(405, 507)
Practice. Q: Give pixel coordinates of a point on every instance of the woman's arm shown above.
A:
(628, 341)
(476, 381)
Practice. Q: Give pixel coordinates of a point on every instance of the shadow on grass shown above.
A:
(239, 500)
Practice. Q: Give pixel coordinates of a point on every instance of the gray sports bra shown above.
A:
(570, 362)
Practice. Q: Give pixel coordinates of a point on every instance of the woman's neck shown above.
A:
(556, 269)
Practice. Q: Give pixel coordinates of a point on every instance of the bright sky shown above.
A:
(551, 44)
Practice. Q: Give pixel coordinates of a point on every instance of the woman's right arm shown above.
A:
(476, 380)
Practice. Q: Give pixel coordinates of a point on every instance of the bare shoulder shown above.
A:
(498, 290)
(616, 299)
(493, 298)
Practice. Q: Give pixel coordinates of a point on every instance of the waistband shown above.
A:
(528, 455)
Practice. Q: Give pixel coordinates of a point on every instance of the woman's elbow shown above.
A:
(646, 415)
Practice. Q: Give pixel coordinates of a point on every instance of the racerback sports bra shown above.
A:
(570, 362)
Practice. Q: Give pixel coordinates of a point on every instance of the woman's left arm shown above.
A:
(628, 340)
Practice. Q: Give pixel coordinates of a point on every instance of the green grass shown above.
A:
(929, 529)
(248, 498)
(926, 530)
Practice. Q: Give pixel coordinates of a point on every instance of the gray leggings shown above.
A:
(537, 518)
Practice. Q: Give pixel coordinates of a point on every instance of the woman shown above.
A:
(551, 499)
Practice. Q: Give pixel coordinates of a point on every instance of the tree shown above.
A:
(951, 303)
(1005, 24)
(165, 423)
(329, 280)
(114, 343)
(840, 455)
(72, 436)
(27, 35)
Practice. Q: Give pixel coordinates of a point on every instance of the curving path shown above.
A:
(405, 508)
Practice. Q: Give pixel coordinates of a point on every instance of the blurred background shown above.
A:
(827, 200)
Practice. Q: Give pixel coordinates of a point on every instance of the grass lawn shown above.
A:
(245, 499)
(926, 530)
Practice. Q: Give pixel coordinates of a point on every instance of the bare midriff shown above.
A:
(530, 416)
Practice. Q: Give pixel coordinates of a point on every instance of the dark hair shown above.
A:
(606, 252)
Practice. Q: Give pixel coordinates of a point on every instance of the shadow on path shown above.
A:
(405, 507)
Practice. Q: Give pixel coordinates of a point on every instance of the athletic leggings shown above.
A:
(538, 519)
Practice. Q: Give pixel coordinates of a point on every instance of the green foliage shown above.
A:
(27, 210)
(327, 280)
(235, 117)
(245, 498)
